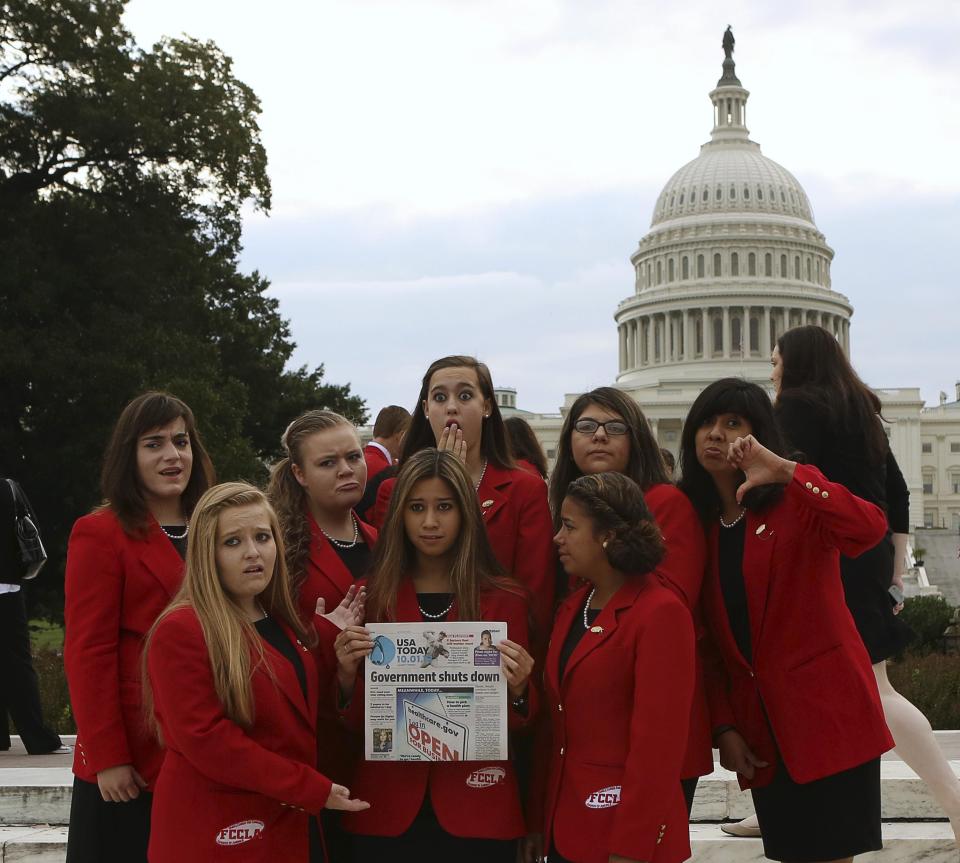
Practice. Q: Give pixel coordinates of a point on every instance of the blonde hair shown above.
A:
(231, 639)
(289, 498)
(474, 567)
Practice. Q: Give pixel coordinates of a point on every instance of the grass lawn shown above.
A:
(46, 635)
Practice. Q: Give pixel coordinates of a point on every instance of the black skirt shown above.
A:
(827, 819)
(102, 832)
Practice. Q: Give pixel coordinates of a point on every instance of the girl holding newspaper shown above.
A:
(434, 564)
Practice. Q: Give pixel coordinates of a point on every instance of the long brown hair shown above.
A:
(817, 372)
(120, 478)
(232, 641)
(645, 466)
(493, 440)
(524, 443)
(289, 498)
(474, 569)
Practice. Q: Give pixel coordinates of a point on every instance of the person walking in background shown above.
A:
(124, 565)
(619, 681)
(793, 700)
(605, 430)
(19, 690)
(232, 689)
(389, 429)
(525, 446)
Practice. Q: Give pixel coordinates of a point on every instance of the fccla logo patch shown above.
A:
(486, 777)
(604, 798)
(242, 831)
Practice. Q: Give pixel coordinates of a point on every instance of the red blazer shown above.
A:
(810, 668)
(226, 792)
(683, 569)
(520, 530)
(395, 790)
(116, 587)
(328, 576)
(608, 766)
(376, 461)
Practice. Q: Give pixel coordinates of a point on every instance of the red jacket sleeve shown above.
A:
(195, 725)
(845, 522)
(658, 732)
(686, 557)
(377, 514)
(93, 599)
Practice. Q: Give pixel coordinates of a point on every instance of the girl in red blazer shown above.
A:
(434, 563)
(619, 680)
(124, 564)
(793, 698)
(605, 430)
(233, 688)
(457, 411)
(328, 549)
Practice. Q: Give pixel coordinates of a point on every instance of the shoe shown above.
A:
(747, 828)
(60, 750)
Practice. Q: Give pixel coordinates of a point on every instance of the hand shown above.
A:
(531, 848)
(120, 784)
(898, 582)
(735, 755)
(340, 799)
(351, 645)
(760, 465)
(451, 440)
(350, 610)
(516, 664)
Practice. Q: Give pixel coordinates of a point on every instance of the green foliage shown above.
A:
(932, 683)
(928, 617)
(122, 176)
(46, 635)
(54, 694)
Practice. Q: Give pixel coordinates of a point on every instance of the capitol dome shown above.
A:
(733, 258)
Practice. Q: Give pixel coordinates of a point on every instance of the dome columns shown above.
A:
(714, 332)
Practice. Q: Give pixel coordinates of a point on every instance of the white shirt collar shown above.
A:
(382, 449)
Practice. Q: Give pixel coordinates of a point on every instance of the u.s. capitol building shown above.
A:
(733, 258)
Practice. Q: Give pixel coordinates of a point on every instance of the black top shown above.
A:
(434, 603)
(273, 633)
(732, 585)
(179, 544)
(357, 558)
(574, 635)
(841, 456)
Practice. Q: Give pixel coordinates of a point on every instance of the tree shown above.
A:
(122, 177)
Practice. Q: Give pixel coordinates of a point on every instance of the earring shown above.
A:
(605, 543)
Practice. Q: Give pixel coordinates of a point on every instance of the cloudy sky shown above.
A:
(471, 176)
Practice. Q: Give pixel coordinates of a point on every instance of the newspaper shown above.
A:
(435, 692)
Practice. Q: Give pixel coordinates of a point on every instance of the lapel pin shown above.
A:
(598, 629)
(761, 529)
(487, 504)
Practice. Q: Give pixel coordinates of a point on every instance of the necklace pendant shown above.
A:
(597, 629)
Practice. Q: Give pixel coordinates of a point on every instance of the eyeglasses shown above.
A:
(611, 427)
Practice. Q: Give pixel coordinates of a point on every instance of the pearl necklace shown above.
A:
(186, 530)
(733, 523)
(344, 543)
(439, 616)
(586, 608)
(476, 485)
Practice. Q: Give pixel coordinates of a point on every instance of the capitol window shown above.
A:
(955, 482)
(754, 334)
(733, 193)
(659, 272)
(954, 446)
(719, 195)
(670, 272)
(746, 193)
(751, 264)
(706, 195)
(796, 267)
(734, 264)
(928, 483)
(685, 268)
(783, 266)
(717, 336)
(716, 264)
(759, 193)
(768, 264)
(700, 267)
(926, 446)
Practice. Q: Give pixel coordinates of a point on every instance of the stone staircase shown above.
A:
(35, 810)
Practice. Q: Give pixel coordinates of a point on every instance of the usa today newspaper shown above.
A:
(435, 692)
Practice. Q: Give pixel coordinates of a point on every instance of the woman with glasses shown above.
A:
(605, 430)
